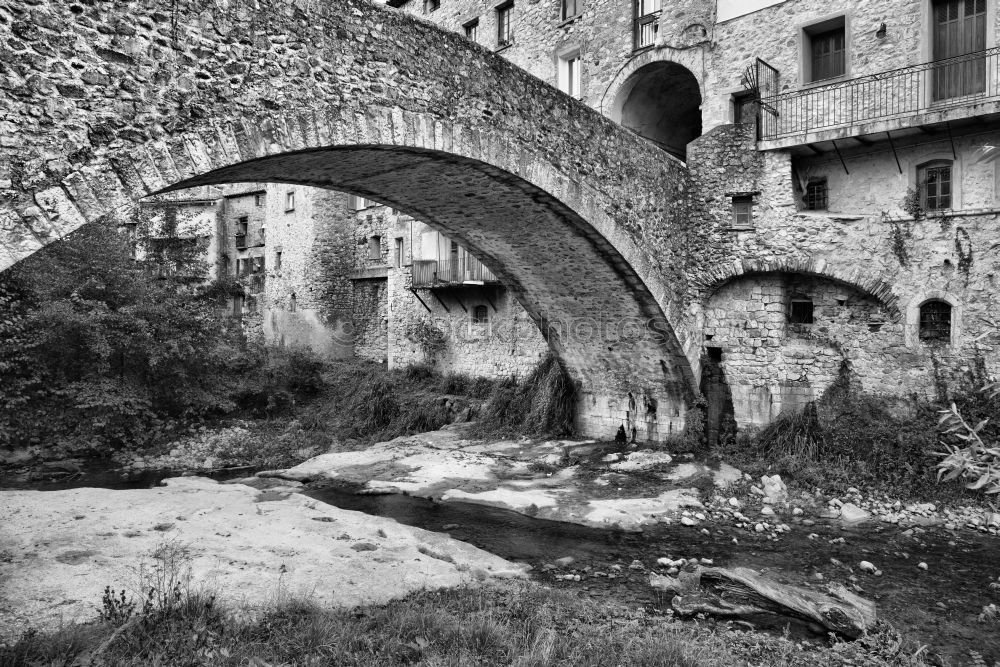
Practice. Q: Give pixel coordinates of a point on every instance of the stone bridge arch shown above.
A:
(579, 217)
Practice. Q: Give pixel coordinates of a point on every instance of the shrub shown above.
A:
(966, 456)
(543, 404)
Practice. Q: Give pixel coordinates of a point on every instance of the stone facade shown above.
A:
(637, 266)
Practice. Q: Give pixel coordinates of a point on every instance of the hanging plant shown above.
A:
(963, 248)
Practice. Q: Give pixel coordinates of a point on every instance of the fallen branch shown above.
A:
(743, 592)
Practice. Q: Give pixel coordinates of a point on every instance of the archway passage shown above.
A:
(662, 102)
(574, 213)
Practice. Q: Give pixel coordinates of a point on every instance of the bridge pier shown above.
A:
(654, 417)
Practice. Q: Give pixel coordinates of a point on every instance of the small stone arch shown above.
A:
(871, 283)
(658, 95)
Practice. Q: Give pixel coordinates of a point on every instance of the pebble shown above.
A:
(759, 528)
(922, 565)
(565, 561)
(688, 521)
(867, 566)
(766, 511)
(734, 502)
(797, 511)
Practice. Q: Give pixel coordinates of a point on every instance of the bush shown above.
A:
(966, 456)
(543, 404)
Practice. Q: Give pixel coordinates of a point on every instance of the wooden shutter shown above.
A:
(828, 54)
(959, 29)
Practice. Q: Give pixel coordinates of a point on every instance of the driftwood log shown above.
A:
(740, 592)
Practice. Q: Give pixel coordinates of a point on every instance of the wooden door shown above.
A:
(959, 29)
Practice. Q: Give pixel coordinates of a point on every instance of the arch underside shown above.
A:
(598, 316)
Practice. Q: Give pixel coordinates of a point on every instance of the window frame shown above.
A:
(471, 29)
(643, 17)
(374, 247)
(933, 166)
(922, 318)
(811, 203)
(807, 42)
(505, 28)
(289, 201)
(570, 74)
(564, 5)
(801, 319)
(738, 202)
(476, 319)
(399, 252)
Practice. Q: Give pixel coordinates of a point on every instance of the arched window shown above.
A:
(480, 315)
(934, 180)
(935, 322)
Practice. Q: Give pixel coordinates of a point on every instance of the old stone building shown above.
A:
(843, 169)
(800, 188)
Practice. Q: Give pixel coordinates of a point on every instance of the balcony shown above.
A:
(445, 273)
(962, 87)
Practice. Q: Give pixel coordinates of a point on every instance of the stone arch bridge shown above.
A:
(106, 102)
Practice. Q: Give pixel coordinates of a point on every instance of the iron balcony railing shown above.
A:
(432, 272)
(940, 85)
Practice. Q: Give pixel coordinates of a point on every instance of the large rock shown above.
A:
(775, 492)
(851, 513)
(61, 548)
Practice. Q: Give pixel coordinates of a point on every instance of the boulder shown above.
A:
(851, 513)
(774, 489)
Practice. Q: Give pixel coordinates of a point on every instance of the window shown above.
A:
(292, 305)
(935, 185)
(743, 211)
(480, 315)
(242, 224)
(431, 6)
(800, 311)
(375, 247)
(258, 200)
(570, 9)
(645, 25)
(815, 195)
(277, 260)
(238, 305)
(472, 30)
(399, 252)
(825, 48)
(505, 33)
(935, 323)
(744, 108)
(257, 265)
(290, 201)
(359, 203)
(959, 28)
(569, 75)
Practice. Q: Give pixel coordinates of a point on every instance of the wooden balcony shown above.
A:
(446, 273)
(953, 89)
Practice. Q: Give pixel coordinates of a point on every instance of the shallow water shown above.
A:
(961, 564)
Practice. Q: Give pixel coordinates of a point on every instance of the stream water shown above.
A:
(938, 607)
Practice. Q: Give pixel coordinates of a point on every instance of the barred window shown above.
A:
(800, 311)
(480, 315)
(935, 323)
(815, 198)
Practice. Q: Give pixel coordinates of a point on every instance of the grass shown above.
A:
(510, 624)
(849, 438)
